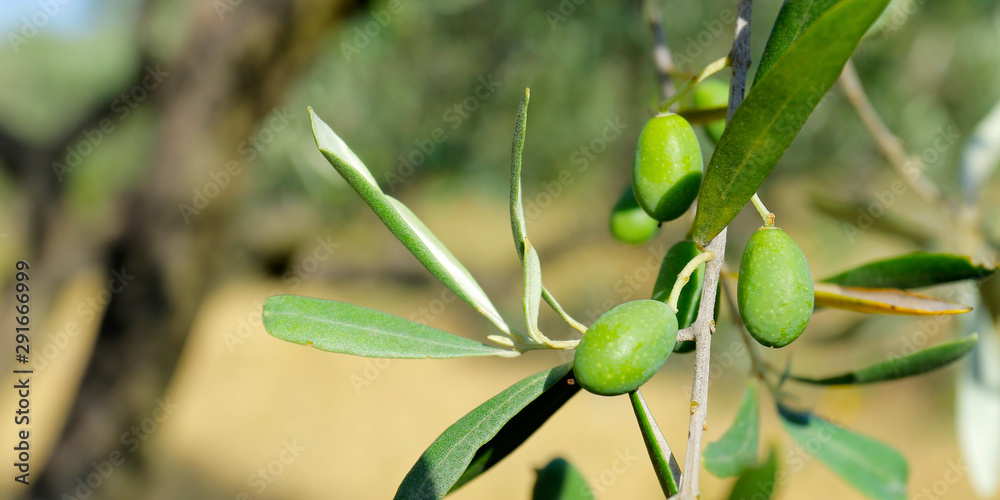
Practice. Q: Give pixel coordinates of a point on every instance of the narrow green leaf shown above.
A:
(344, 328)
(872, 467)
(916, 363)
(777, 106)
(532, 287)
(486, 434)
(668, 472)
(518, 225)
(915, 270)
(977, 405)
(736, 450)
(403, 224)
(559, 480)
(757, 483)
(794, 18)
(517, 222)
(882, 301)
(531, 267)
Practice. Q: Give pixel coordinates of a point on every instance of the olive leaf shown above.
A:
(980, 156)
(559, 480)
(668, 472)
(794, 18)
(403, 224)
(977, 405)
(344, 328)
(872, 467)
(915, 270)
(518, 227)
(532, 272)
(882, 301)
(487, 434)
(919, 362)
(736, 450)
(807, 49)
(757, 483)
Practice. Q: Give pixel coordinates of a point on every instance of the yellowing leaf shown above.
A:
(883, 301)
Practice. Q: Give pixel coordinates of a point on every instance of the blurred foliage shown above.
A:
(389, 82)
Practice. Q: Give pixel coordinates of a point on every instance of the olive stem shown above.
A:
(763, 211)
(554, 304)
(685, 276)
(712, 68)
(704, 327)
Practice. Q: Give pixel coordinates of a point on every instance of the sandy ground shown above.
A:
(259, 418)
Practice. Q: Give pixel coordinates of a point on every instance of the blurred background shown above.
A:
(159, 176)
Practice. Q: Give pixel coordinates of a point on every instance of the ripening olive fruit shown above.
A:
(690, 298)
(775, 288)
(625, 347)
(629, 222)
(712, 94)
(666, 172)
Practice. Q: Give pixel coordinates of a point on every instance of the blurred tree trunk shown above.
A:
(237, 66)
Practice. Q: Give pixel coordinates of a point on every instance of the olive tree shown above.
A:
(772, 296)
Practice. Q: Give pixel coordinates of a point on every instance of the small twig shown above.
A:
(661, 52)
(704, 327)
(685, 276)
(712, 68)
(763, 211)
(910, 169)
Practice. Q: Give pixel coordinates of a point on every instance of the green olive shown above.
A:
(690, 298)
(775, 288)
(629, 222)
(712, 94)
(625, 347)
(667, 169)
